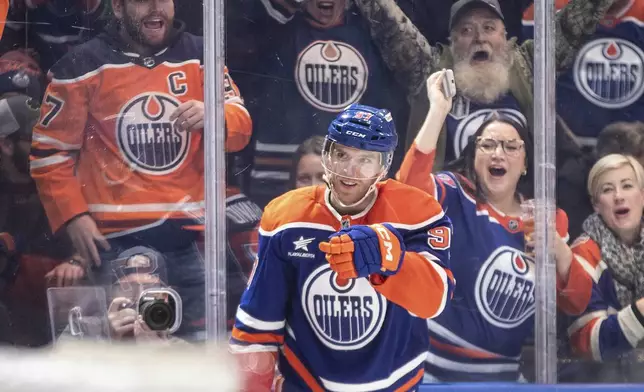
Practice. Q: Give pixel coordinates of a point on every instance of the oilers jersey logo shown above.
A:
(148, 140)
(344, 315)
(504, 288)
(331, 75)
(609, 72)
(469, 125)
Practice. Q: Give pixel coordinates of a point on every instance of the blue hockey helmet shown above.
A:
(365, 128)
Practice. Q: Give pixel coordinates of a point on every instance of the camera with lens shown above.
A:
(160, 309)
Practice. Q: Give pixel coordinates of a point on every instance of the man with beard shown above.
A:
(491, 73)
(432, 17)
(118, 153)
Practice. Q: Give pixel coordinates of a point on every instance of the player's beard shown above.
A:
(134, 29)
(483, 82)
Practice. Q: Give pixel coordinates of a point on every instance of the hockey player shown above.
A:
(480, 335)
(350, 316)
(118, 152)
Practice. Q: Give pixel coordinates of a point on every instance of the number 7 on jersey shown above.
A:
(56, 106)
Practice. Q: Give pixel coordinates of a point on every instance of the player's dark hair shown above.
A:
(464, 165)
(626, 138)
(312, 145)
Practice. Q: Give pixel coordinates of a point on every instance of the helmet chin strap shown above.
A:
(329, 184)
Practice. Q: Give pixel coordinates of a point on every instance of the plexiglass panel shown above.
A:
(102, 172)
(598, 100)
(476, 218)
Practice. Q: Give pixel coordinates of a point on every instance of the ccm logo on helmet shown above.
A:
(357, 134)
(386, 241)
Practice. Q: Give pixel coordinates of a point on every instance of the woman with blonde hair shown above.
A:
(611, 250)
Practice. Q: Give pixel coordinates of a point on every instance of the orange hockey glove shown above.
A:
(360, 251)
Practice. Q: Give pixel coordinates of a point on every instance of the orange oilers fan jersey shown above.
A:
(105, 143)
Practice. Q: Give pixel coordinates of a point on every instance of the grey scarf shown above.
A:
(626, 263)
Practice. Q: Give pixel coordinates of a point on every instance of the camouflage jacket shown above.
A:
(412, 59)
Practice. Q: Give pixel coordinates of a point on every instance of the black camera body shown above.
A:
(160, 309)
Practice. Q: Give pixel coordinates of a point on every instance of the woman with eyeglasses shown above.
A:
(480, 334)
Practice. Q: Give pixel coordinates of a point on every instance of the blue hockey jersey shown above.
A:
(345, 336)
(480, 334)
(606, 83)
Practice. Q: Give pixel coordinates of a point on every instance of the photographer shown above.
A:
(140, 269)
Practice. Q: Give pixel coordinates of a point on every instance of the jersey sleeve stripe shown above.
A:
(630, 325)
(38, 153)
(446, 334)
(259, 338)
(258, 324)
(151, 207)
(461, 351)
(296, 225)
(251, 348)
(378, 384)
(49, 161)
(594, 339)
(55, 143)
(486, 368)
(594, 273)
(441, 272)
(585, 319)
(438, 216)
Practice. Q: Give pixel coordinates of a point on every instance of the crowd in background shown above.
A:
(292, 67)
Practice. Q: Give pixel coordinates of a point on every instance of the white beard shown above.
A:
(485, 82)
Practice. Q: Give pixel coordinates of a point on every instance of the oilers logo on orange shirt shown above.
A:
(609, 72)
(147, 138)
(504, 288)
(344, 314)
